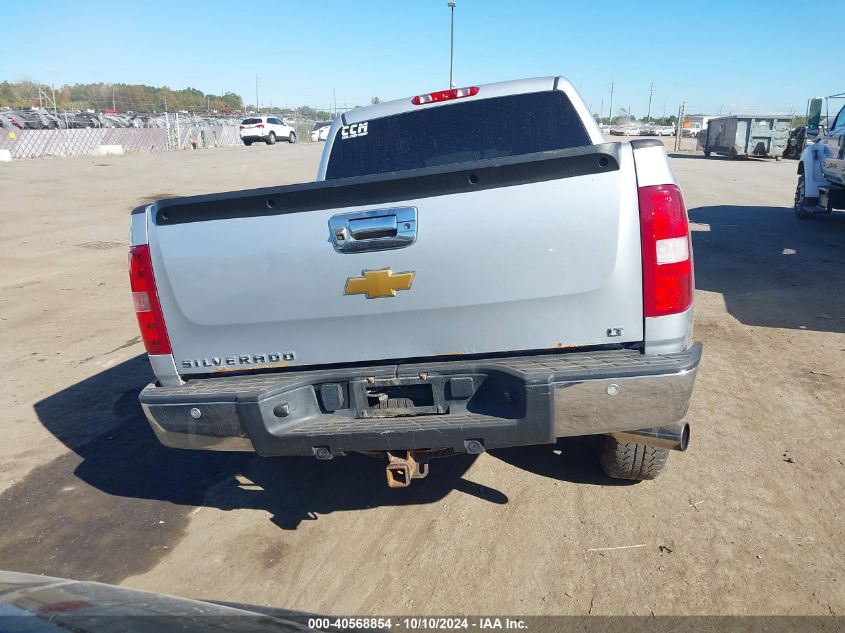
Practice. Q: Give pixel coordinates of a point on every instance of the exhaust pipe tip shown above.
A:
(685, 436)
(673, 436)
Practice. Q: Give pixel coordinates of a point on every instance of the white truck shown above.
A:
(473, 268)
(821, 169)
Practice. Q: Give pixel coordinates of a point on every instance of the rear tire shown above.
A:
(271, 140)
(247, 143)
(632, 461)
(707, 153)
(292, 138)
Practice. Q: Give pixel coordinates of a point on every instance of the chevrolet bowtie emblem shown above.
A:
(378, 283)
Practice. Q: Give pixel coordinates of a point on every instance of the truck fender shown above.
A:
(810, 165)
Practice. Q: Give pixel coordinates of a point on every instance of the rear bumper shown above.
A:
(498, 402)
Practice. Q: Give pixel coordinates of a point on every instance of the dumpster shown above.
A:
(763, 135)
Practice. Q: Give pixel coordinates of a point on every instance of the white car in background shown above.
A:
(266, 128)
(320, 131)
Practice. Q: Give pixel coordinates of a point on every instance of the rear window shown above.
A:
(458, 133)
(250, 121)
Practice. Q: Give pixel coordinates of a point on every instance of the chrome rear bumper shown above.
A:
(465, 404)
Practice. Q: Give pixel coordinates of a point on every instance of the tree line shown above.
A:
(129, 98)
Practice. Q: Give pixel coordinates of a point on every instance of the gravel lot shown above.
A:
(748, 521)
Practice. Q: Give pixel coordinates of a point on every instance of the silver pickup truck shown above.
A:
(473, 269)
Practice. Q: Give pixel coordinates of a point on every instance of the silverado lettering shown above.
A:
(217, 361)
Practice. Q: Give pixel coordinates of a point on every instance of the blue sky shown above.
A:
(730, 56)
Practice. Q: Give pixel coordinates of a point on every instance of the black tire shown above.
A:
(271, 139)
(801, 211)
(632, 461)
(707, 153)
(292, 138)
(247, 143)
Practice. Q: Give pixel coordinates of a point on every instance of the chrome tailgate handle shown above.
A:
(374, 227)
(376, 230)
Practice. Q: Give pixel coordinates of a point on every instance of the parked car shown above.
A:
(691, 131)
(632, 130)
(31, 603)
(648, 130)
(666, 130)
(437, 291)
(795, 143)
(266, 128)
(320, 131)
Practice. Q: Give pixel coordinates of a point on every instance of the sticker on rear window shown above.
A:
(354, 131)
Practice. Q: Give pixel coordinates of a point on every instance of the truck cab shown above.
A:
(821, 170)
(833, 166)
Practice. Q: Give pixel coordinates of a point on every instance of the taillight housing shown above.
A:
(145, 296)
(667, 252)
(445, 95)
(260, 126)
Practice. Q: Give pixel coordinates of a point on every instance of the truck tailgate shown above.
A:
(528, 253)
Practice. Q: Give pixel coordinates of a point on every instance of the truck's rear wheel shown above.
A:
(801, 211)
(629, 460)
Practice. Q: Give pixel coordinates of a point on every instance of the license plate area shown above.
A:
(397, 397)
(423, 394)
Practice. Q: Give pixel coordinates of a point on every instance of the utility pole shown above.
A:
(113, 104)
(601, 109)
(650, 93)
(452, 5)
(679, 125)
(55, 110)
(257, 83)
(612, 86)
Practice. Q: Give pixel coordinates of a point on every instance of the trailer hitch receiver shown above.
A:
(402, 467)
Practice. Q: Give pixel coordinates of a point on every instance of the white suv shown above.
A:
(267, 129)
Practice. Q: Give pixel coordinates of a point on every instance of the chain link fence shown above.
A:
(175, 132)
(87, 141)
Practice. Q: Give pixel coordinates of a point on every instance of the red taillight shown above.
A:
(445, 95)
(242, 127)
(667, 255)
(260, 126)
(145, 296)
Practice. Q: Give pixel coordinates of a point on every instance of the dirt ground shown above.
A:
(748, 521)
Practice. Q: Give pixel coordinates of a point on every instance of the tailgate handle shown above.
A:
(375, 230)
(375, 227)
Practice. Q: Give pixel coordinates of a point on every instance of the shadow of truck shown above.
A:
(114, 505)
(772, 269)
